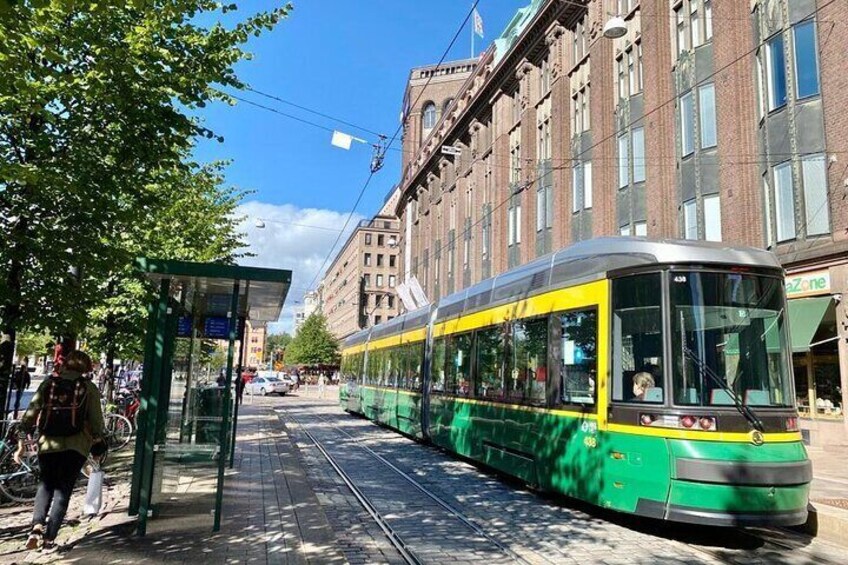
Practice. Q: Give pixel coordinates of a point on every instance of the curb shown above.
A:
(827, 523)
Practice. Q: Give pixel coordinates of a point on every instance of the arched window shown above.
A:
(447, 104)
(428, 117)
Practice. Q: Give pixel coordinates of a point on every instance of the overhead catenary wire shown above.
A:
(389, 144)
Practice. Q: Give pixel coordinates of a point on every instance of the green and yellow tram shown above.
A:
(650, 377)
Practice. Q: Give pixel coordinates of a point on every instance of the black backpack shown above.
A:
(63, 412)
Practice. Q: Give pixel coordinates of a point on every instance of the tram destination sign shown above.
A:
(808, 284)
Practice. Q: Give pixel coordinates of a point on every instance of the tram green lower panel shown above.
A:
(409, 413)
(738, 499)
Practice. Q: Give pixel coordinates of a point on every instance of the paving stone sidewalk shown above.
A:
(270, 515)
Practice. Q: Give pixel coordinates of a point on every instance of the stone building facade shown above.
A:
(709, 119)
(358, 289)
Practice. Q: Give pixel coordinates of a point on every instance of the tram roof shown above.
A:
(580, 263)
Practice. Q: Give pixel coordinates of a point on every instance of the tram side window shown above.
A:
(528, 361)
(437, 366)
(414, 360)
(395, 360)
(579, 369)
(637, 339)
(491, 361)
(458, 379)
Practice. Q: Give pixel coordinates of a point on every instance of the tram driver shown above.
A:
(642, 381)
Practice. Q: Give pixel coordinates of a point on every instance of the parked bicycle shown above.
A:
(18, 481)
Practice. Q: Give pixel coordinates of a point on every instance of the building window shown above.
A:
(806, 60)
(624, 231)
(623, 160)
(681, 29)
(514, 225)
(544, 77)
(690, 219)
(380, 240)
(634, 69)
(392, 281)
(784, 202)
(712, 218)
(367, 279)
(706, 104)
(776, 73)
(581, 188)
(516, 104)
(447, 104)
(695, 24)
(428, 118)
(767, 210)
(367, 259)
(515, 164)
(640, 229)
(576, 187)
(377, 319)
(367, 239)
(379, 281)
(392, 260)
(390, 301)
(380, 260)
(638, 155)
(622, 84)
(708, 20)
(815, 194)
(687, 125)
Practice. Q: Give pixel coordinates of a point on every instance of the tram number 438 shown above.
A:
(590, 441)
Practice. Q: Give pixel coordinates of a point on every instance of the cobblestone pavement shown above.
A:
(539, 528)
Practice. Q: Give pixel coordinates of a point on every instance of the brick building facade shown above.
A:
(709, 119)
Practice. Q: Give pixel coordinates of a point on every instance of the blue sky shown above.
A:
(349, 59)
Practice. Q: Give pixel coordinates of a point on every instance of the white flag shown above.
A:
(478, 23)
(342, 140)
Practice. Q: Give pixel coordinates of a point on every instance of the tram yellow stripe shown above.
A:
(738, 437)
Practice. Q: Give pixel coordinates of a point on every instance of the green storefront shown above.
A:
(819, 354)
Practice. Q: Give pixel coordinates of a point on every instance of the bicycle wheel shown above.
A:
(118, 431)
(19, 481)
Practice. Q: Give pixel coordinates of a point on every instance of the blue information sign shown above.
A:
(184, 326)
(216, 327)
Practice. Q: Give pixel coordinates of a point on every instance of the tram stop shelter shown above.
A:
(187, 420)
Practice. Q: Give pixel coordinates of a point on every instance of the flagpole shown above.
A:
(472, 36)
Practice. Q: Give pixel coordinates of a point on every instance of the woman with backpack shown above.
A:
(66, 413)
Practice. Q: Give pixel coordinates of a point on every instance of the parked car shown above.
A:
(267, 385)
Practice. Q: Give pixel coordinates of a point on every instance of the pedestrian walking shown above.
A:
(322, 381)
(21, 382)
(66, 412)
(239, 388)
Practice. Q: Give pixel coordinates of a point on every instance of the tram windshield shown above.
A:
(729, 340)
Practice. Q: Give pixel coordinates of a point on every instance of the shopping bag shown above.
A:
(94, 494)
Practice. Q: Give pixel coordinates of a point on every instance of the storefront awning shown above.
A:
(805, 317)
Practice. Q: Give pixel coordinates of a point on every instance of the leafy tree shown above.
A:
(96, 103)
(276, 344)
(313, 344)
(32, 344)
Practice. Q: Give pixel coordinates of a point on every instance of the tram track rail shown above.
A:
(403, 546)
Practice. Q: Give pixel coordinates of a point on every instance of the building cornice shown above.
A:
(483, 86)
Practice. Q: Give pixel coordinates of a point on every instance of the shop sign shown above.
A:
(808, 284)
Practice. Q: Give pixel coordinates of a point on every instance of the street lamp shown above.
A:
(615, 28)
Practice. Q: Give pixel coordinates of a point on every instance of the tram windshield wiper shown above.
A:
(743, 408)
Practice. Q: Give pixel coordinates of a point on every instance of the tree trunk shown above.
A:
(10, 314)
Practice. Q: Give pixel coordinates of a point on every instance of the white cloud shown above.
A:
(286, 242)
